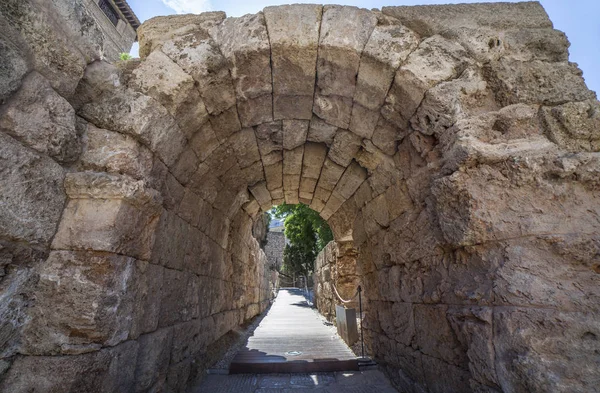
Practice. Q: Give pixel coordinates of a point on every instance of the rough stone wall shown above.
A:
(335, 265)
(116, 273)
(455, 146)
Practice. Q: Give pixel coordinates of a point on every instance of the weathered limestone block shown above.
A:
(115, 153)
(160, 78)
(165, 183)
(344, 147)
(344, 33)
(153, 360)
(148, 280)
(516, 82)
(92, 298)
(314, 156)
(32, 196)
(204, 142)
(386, 136)
(435, 336)
(15, 63)
(321, 132)
(186, 166)
(469, 198)
(574, 126)
(53, 54)
(252, 207)
(169, 249)
(41, 119)
(191, 338)
(539, 342)
(199, 56)
(333, 204)
(352, 178)
(330, 175)
(534, 273)
(219, 162)
(262, 195)
(245, 44)
(108, 213)
(451, 101)
(175, 301)
(157, 31)
(341, 225)
(294, 38)
(104, 371)
(388, 47)
(225, 123)
(428, 20)
(245, 148)
(294, 133)
(141, 117)
(292, 169)
(269, 137)
(435, 60)
(206, 184)
(99, 77)
(274, 178)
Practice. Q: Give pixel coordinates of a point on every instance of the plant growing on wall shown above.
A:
(125, 56)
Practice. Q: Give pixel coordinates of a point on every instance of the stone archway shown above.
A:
(454, 145)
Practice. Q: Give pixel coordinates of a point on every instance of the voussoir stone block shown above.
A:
(162, 79)
(245, 44)
(436, 59)
(114, 152)
(294, 133)
(156, 31)
(43, 120)
(294, 37)
(140, 116)
(108, 213)
(199, 55)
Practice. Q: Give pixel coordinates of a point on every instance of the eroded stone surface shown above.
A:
(453, 151)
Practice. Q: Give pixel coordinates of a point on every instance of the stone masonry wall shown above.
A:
(116, 273)
(453, 149)
(335, 265)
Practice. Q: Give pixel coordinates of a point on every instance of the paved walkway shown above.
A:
(293, 337)
(372, 381)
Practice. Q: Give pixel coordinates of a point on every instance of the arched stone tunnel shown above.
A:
(455, 147)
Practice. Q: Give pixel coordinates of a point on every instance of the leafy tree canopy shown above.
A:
(307, 232)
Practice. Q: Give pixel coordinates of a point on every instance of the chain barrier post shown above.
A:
(362, 341)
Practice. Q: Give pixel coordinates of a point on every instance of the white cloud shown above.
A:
(188, 6)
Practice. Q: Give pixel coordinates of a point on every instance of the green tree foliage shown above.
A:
(307, 232)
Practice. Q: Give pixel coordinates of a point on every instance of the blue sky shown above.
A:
(579, 19)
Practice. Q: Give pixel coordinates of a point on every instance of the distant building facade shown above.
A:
(118, 23)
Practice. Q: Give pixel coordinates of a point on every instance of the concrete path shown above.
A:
(372, 381)
(293, 337)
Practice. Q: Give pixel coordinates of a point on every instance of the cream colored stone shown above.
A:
(162, 79)
(294, 35)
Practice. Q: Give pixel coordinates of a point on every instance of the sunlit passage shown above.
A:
(293, 337)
